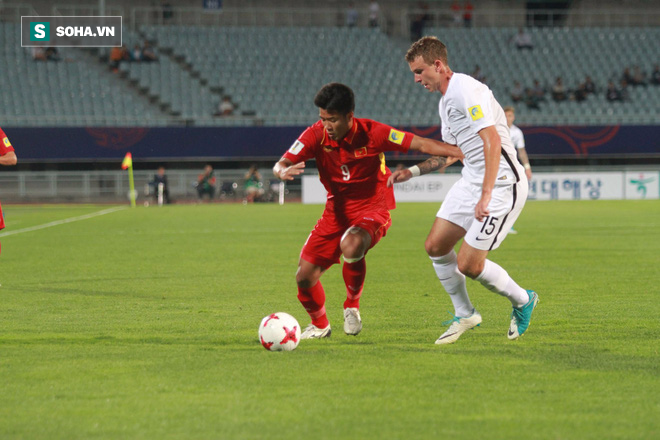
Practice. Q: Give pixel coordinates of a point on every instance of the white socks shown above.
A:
(497, 280)
(454, 283)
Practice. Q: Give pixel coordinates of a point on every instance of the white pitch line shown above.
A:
(61, 222)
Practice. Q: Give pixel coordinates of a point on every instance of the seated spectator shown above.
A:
(225, 107)
(539, 91)
(148, 53)
(254, 187)
(517, 92)
(136, 53)
(655, 75)
(117, 55)
(627, 76)
(589, 85)
(52, 54)
(532, 101)
(206, 183)
(623, 90)
(612, 94)
(558, 90)
(39, 54)
(580, 93)
(639, 77)
(523, 40)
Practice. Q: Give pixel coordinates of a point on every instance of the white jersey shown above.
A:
(517, 137)
(467, 107)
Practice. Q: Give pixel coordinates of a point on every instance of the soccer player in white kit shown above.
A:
(518, 141)
(483, 205)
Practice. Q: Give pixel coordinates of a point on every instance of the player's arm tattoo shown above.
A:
(431, 164)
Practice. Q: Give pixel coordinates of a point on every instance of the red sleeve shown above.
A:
(304, 147)
(390, 138)
(5, 145)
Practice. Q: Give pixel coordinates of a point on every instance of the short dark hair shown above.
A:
(336, 98)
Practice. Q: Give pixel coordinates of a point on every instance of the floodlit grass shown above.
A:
(142, 324)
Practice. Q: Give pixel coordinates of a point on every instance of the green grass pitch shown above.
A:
(142, 324)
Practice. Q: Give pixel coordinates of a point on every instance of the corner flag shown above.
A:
(127, 163)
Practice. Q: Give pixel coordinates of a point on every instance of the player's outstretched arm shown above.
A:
(435, 148)
(286, 170)
(431, 164)
(8, 159)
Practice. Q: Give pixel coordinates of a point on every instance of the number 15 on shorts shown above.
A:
(490, 223)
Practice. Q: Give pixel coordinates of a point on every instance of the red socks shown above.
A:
(354, 274)
(313, 300)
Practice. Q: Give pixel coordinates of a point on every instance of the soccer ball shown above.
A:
(279, 332)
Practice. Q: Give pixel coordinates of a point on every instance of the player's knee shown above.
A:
(352, 244)
(306, 279)
(470, 269)
(434, 249)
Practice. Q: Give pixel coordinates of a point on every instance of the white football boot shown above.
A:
(457, 327)
(313, 332)
(352, 321)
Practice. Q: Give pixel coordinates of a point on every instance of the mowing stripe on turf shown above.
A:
(66, 220)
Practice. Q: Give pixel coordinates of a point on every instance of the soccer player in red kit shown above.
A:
(7, 157)
(349, 155)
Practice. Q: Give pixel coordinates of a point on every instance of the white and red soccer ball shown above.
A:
(279, 332)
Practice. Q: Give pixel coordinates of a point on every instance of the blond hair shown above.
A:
(508, 108)
(429, 48)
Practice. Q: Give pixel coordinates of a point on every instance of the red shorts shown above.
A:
(322, 247)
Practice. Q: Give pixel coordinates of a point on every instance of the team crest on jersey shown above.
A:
(476, 113)
(327, 149)
(7, 143)
(296, 147)
(360, 152)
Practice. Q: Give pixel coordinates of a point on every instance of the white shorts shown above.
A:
(505, 206)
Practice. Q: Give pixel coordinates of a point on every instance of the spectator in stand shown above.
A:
(136, 53)
(225, 108)
(589, 85)
(254, 187)
(117, 55)
(523, 40)
(612, 94)
(531, 100)
(52, 54)
(456, 12)
(655, 75)
(539, 91)
(623, 90)
(374, 12)
(639, 77)
(467, 14)
(419, 22)
(627, 76)
(580, 93)
(517, 93)
(148, 53)
(351, 15)
(39, 54)
(558, 90)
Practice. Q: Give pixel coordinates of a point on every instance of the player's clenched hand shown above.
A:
(399, 176)
(481, 210)
(289, 173)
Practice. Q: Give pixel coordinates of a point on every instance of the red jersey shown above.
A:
(352, 170)
(5, 145)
